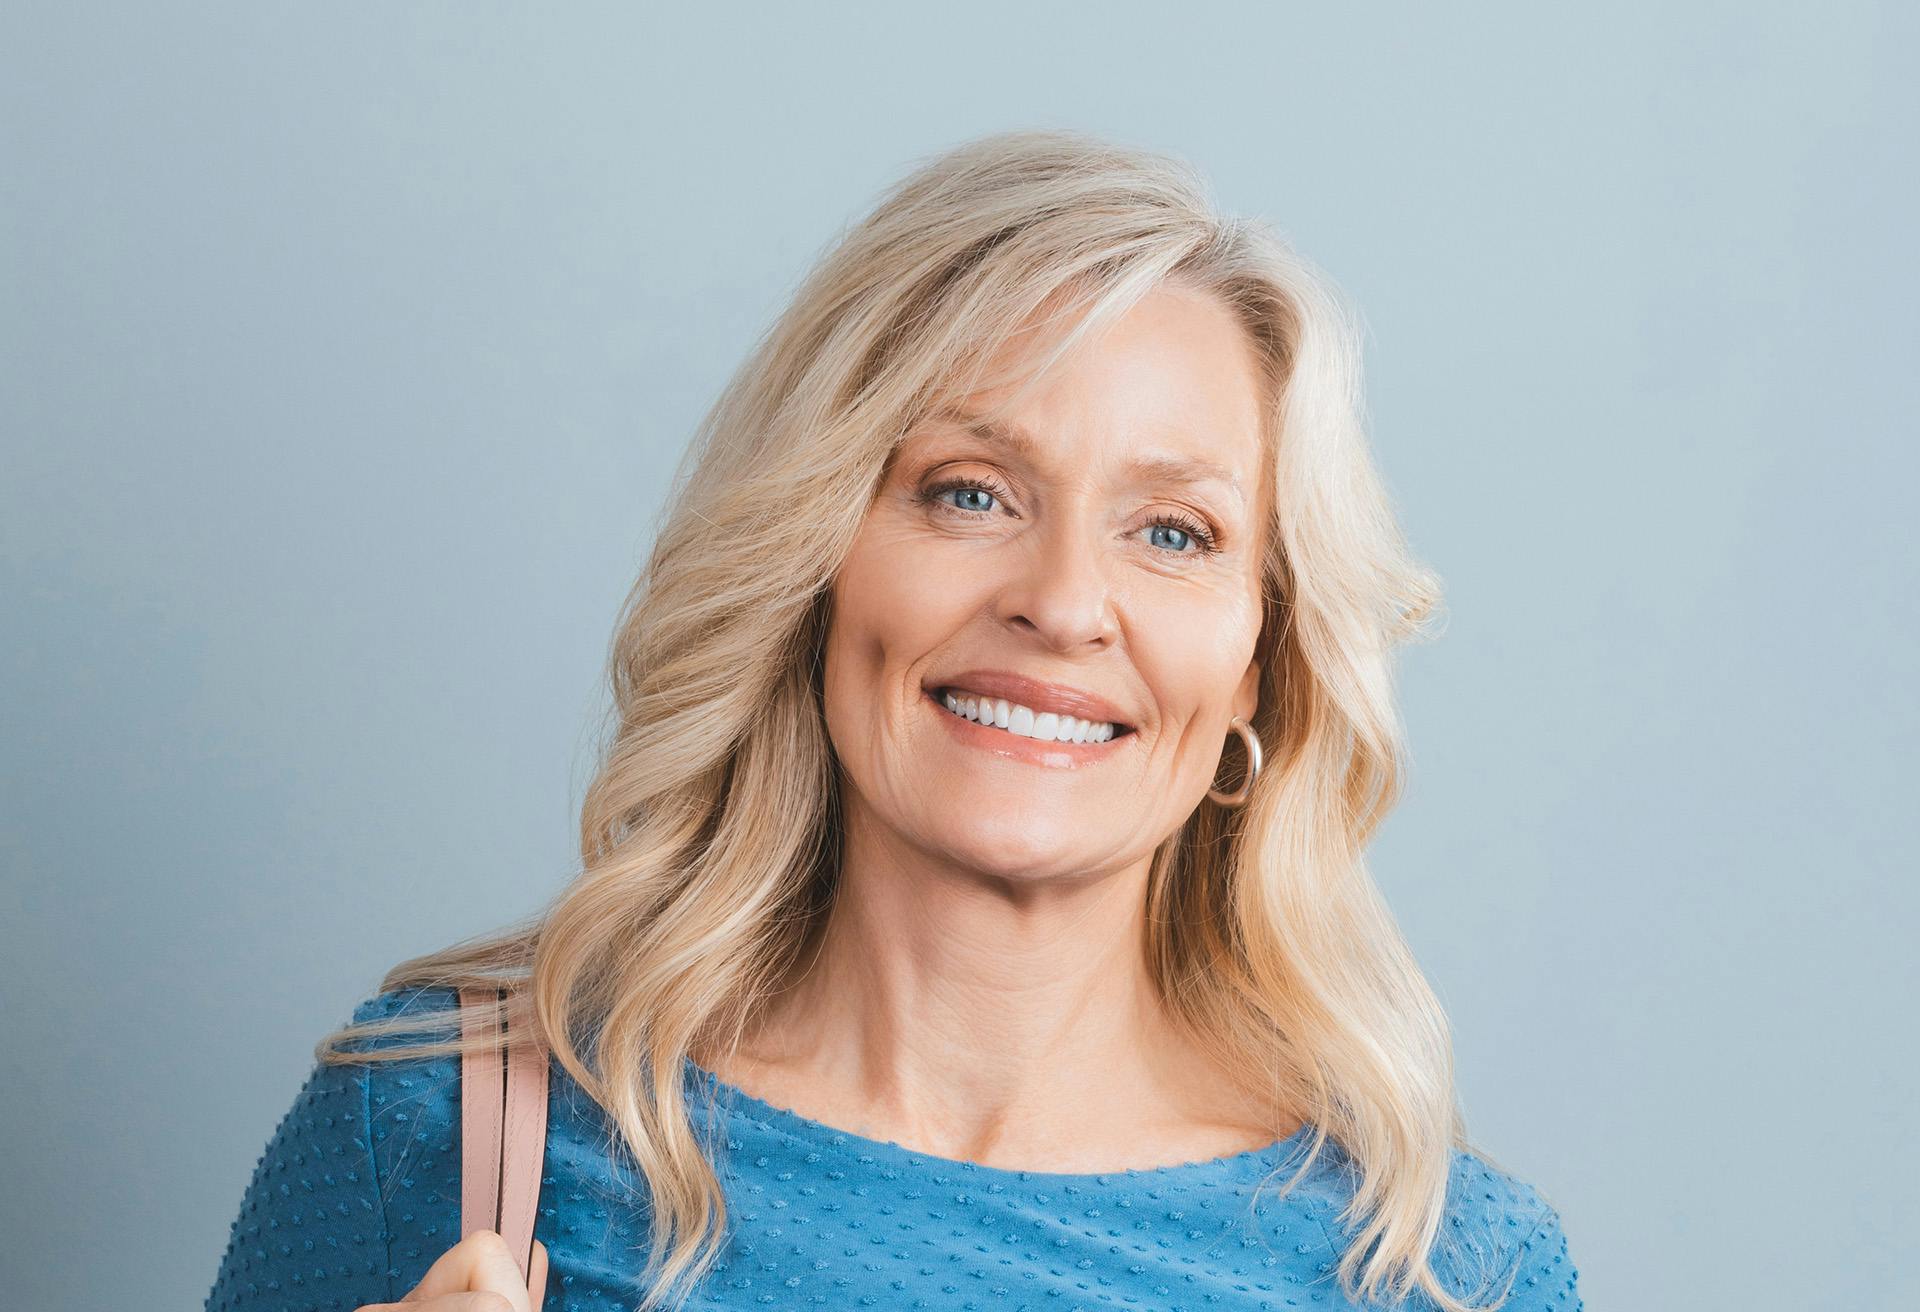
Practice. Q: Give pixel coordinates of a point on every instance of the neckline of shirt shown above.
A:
(885, 1152)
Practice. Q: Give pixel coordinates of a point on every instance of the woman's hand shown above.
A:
(478, 1274)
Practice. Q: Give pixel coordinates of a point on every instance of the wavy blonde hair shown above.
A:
(709, 834)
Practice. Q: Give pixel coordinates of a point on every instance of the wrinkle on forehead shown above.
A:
(1155, 466)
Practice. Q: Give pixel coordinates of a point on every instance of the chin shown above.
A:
(1011, 852)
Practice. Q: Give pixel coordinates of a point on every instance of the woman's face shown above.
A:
(1100, 560)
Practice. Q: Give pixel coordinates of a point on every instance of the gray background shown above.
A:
(346, 351)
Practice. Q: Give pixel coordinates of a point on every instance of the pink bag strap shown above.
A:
(503, 1129)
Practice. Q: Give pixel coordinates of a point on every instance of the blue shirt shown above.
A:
(358, 1192)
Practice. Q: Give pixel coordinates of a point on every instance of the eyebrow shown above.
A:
(1164, 467)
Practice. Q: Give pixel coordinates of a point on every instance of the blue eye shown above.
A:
(1173, 528)
(971, 491)
(1190, 531)
(978, 487)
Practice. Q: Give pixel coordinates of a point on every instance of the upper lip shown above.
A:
(1037, 694)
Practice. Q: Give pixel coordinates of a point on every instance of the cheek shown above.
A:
(1192, 646)
(897, 602)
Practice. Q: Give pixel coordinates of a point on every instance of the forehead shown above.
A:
(1169, 390)
(1161, 458)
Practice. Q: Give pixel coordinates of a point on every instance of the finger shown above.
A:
(537, 1275)
(480, 1263)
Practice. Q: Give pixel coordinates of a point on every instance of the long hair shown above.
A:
(710, 836)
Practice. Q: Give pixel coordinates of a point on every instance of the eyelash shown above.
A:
(1204, 539)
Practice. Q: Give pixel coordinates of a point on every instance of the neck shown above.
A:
(980, 1016)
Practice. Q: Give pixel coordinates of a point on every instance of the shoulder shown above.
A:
(592, 1203)
(425, 1004)
(314, 1225)
(1497, 1224)
(412, 1101)
(413, 1123)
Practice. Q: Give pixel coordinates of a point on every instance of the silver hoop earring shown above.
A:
(1252, 741)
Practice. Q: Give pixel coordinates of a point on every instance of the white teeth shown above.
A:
(1047, 726)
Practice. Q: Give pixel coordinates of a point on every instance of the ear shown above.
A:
(1246, 698)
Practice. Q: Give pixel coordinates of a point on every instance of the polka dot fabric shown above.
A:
(358, 1192)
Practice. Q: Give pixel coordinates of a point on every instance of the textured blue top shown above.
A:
(358, 1192)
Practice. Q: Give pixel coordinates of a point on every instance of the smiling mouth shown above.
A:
(1020, 721)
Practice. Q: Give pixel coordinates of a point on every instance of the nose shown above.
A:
(1059, 588)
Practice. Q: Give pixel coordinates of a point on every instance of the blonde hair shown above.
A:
(709, 835)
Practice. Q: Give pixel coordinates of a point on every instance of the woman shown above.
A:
(926, 952)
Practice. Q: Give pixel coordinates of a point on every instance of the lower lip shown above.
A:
(1033, 751)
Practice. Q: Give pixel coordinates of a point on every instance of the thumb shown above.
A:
(482, 1263)
(537, 1275)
